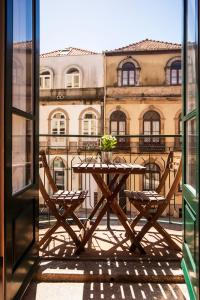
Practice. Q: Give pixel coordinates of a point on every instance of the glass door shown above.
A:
(190, 262)
(21, 144)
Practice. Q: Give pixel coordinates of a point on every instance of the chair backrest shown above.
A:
(176, 181)
(166, 172)
(47, 171)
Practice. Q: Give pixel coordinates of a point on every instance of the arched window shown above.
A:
(73, 78)
(151, 178)
(175, 73)
(58, 123)
(45, 80)
(58, 167)
(151, 126)
(89, 124)
(127, 74)
(118, 126)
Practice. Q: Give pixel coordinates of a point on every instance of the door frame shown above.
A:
(2, 45)
(189, 198)
(12, 288)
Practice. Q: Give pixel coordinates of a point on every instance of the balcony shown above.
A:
(95, 94)
(106, 269)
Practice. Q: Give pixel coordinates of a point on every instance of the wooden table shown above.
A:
(121, 172)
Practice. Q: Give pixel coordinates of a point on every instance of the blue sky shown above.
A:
(107, 24)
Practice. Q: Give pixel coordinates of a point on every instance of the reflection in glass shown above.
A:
(191, 153)
(191, 58)
(22, 55)
(22, 153)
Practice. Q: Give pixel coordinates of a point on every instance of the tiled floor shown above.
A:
(107, 254)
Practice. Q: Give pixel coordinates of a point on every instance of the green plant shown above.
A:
(108, 142)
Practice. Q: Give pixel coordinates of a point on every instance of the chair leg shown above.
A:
(77, 221)
(70, 231)
(49, 233)
(166, 236)
(140, 235)
(152, 222)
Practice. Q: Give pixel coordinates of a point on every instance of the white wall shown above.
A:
(91, 67)
(73, 112)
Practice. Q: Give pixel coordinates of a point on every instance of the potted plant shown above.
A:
(108, 143)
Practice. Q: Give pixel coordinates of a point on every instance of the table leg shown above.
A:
(111, 184)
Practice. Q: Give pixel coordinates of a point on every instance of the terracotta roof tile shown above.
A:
(23, 45)
(67, 51)
(148, 45)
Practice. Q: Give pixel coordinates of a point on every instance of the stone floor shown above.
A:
(113, 270)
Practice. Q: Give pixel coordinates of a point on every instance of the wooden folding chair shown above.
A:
(62, 204)
(151, 205)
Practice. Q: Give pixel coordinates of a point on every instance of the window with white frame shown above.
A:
(89, 124)
(45, 80)
(59, 172)
(72, 78)
(58, 124)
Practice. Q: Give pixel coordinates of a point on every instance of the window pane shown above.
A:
(191, 152)
(22, 153)
(147, 130)
(125, 77)
(131, 77)
(113, 129)
(68, 80)
(122, 128)
(191, 63)
(174, 76)
(76, 80)
(47, 83)
(93, 127)
(22, 55)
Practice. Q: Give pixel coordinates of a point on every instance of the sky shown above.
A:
(99, 25)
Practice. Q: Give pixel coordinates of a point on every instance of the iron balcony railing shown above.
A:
(63, 151)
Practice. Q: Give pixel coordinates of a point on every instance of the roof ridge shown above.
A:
(70, 49)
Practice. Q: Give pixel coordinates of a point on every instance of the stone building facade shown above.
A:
(130, 91)
(143, 97)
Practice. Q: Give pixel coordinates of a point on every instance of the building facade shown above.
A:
(133, 92)
(143, 98)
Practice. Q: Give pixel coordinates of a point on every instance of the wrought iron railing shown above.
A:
(64, 151)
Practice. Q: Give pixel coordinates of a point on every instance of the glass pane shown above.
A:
(191, 62)
(22, 55)
(122, 128)
(131, 77)
(174, 76)
(68, 80)
(22, 153)
(113, 129)
(191, 153)
(125, 77)
(47, 83)
(76, 80)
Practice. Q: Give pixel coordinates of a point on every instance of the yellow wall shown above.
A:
(152, 67)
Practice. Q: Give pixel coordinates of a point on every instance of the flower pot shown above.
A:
(106, 156)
